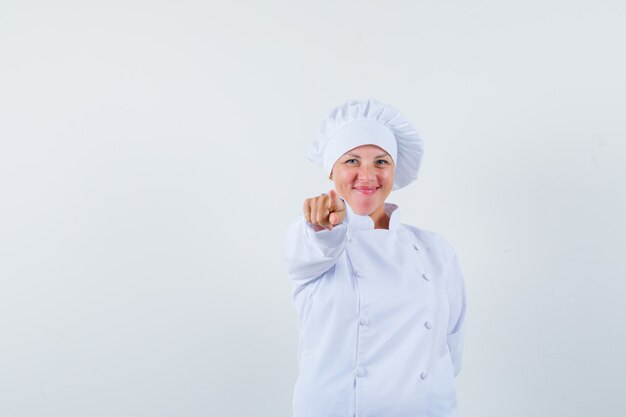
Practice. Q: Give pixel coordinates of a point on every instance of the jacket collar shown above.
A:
(359, 222)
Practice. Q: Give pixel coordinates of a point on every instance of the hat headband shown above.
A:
(357, 133)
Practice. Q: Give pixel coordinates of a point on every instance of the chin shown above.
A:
(363, 208)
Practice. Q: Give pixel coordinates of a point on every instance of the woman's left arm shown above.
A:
(455, 289)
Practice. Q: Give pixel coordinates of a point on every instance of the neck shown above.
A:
(380, 217)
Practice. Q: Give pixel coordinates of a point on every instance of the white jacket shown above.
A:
(381, 318)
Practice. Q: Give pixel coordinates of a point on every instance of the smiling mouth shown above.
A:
(366, 190)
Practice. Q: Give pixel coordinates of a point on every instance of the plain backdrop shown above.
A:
(153, 152)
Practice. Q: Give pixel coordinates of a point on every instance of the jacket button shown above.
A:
(359, 371)
(425, 276)
(417, 248)
(428, 325)
(357, 275)
(364, 320)
(349, 239)
(424, 375)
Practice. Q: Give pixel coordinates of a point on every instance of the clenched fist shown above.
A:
(324, 211)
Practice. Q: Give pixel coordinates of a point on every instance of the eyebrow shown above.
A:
(376, 157)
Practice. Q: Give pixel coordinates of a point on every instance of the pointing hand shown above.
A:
(324, 211)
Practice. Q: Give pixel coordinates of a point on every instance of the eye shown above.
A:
(384, 162)
(350, 161)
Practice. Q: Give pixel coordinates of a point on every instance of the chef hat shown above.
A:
(366, 122)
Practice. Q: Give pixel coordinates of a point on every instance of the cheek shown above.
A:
(340, 182)
(346, 178)
(387, 177)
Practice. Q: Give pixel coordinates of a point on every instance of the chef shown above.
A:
(381, 304)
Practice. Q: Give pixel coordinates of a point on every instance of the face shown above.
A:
(363, 176)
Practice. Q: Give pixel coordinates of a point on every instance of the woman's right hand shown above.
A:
(324, 211)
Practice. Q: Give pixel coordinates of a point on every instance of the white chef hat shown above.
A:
(369, 122)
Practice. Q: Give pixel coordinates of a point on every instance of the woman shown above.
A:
(381, 305)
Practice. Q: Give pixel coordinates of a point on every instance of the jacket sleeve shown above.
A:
(455, 289)
(308, 254)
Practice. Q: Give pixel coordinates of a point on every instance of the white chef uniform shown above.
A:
(381, 318)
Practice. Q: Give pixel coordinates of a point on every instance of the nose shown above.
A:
(366, 172)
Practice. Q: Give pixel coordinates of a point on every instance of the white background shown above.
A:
(152, 154)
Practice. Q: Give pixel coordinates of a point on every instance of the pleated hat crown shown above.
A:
(363, 122)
